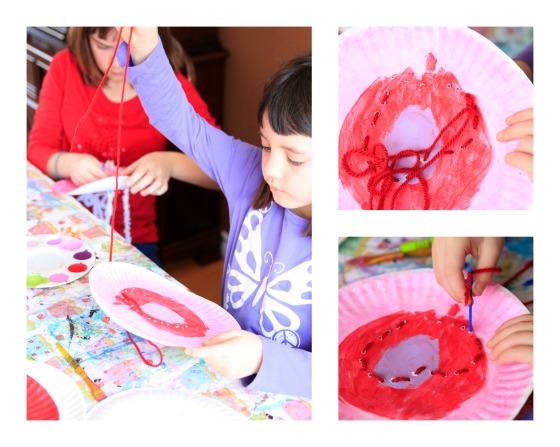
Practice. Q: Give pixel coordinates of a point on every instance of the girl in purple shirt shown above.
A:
(267, 275)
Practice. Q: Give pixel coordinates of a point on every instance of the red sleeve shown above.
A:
(46, 135)
(196, 100)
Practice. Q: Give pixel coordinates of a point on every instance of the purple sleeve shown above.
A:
(284, 370)
(233, 164)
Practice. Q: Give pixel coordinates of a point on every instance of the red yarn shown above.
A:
(144, 359)
(119, 129)
(469, 280)
(381, 167)
(117, 164)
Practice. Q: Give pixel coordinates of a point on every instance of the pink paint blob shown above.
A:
(58, 277)
(71, 244)
(55, 241)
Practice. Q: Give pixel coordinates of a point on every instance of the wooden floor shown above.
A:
(204, 280)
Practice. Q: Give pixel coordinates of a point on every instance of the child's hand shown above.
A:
(81, 168)
(448, 256)
(144, 40)
(234, 354)
(513, 341)
(149, 175)
(520, 127)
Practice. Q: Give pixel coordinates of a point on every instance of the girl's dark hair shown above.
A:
(77, 39)
(287, 102)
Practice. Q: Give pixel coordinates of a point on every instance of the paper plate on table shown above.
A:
(154, 316)
(148, 404)
(374, 65)
(51, 394)
(53, 260)
(66, 186)
(506, 387)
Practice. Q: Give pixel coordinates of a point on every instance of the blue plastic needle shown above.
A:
(470, 327)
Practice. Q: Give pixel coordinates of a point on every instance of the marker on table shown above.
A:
(96, 392)
(419, 248)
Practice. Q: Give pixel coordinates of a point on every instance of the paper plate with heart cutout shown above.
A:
(149, 404)
(419, 110)
(155, 308)
(405, 352)
(51, 394)
(53, 260)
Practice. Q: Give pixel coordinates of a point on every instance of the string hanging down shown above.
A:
(117, 165)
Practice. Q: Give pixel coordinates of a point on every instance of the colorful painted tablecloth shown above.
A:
(68, 314)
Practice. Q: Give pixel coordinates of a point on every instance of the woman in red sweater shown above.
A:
(62, 146)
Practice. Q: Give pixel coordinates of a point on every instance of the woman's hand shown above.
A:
(448, 256)
(149, 175)
(234, 354)
(144, 40)
(520, 127)
(513, 341)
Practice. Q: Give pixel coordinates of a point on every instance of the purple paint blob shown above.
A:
(54, 241)
(405, 359)
(71, 244)
(81, 255)
(58, 277)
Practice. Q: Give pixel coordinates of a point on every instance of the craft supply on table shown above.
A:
(96, 392)
(51, 395)
(54, 260)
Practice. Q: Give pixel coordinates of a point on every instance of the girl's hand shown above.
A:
(144, 40)
(513, 341)
(81, 168)
(448, 257)
(520, 127)
(234, 354)
(150, 174)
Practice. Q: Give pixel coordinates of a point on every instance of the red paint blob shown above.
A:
(40, 405)
(460, 375)
(77, 268)
(365, 164)
(136, 297)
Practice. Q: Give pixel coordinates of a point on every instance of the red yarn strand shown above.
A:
(381, 167)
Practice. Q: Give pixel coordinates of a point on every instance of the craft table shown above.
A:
(68, 314)
(517, 252)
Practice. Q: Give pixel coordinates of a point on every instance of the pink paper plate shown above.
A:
(507, 387)
(499, 85)
(108, 279)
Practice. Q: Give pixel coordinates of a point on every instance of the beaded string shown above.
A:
(381, 167)
(148, 362)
